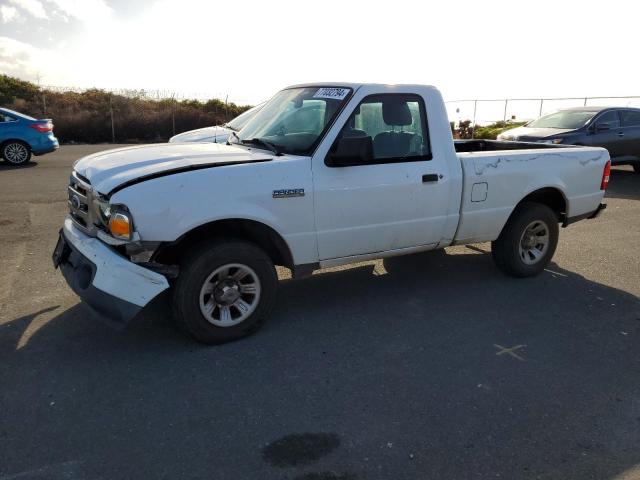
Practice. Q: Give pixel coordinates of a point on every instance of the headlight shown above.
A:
(120, 223)
(554, 140)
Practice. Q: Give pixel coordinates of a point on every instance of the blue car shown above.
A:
(21, 136)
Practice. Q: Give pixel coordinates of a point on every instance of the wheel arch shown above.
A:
(552, 197)
(252, 231)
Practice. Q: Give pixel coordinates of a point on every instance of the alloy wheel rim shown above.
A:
(15, 153)
(229, 295)
(534, 242)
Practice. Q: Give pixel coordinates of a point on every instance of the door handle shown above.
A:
(430, 177)
(621, 134)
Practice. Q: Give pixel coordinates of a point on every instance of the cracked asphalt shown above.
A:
(432, 366)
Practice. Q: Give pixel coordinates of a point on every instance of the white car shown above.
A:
(217, 133)
(322, 175)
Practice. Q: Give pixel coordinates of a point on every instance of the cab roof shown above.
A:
(356, 86)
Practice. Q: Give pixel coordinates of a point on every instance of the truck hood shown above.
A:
(532, 134)
(110, 169)
(206, 134)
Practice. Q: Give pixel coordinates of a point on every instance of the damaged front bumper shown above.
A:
(112, 286)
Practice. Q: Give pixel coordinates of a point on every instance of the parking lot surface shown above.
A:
(431, 366)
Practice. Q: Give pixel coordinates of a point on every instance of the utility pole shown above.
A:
(173, 113)
(113, 130)
(44, 98)
(473, 128)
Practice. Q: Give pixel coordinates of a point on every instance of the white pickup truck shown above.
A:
(324, 174)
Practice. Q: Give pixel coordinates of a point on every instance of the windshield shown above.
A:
(294, 120)
(563, 119)
(242, 119)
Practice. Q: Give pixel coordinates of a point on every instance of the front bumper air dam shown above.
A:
(113, 287)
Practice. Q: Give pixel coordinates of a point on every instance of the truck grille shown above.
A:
(80, 202)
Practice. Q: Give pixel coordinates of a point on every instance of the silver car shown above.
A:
(217, 133)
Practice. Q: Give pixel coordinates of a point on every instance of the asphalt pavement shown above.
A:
(431, 366)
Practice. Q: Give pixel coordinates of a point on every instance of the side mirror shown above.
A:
(350, 151)
(601, 127)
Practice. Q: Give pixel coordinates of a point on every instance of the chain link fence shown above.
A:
(490, 111)
(133, 115)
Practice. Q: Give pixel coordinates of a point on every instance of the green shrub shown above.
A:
(487, 132)
(12, 89)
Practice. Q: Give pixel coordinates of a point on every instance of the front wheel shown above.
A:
(528, 241)
(16, 153)
(224, 291)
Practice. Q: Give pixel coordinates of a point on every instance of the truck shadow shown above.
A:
(624, 183)
(411, 352)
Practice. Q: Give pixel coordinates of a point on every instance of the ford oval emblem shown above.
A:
(75, 202)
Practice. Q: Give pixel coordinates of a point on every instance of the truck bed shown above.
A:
(466, 146)
(498, 175)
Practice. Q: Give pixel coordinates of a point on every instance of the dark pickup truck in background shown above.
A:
(615, 128)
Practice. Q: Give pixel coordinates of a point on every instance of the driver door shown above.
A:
(392, 199)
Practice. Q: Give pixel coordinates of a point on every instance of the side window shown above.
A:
(383, 129)
(6, 118)
(610, 118)
(630, 118)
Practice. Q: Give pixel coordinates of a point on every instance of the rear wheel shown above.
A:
(224, 291)
(16, 153)
(528, 241)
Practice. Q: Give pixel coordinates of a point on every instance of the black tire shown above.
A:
(506, 251)
(16, 153)
(194, 272)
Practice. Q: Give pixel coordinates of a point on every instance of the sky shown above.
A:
(247, 50)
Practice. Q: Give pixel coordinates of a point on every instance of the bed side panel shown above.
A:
(511, 176)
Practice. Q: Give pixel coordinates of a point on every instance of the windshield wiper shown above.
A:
(260, 141)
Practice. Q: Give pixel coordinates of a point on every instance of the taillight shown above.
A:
(605, 176)
(42, 127)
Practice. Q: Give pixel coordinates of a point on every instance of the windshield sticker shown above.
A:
(332, 92)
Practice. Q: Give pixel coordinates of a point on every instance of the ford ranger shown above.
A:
(322, 175)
